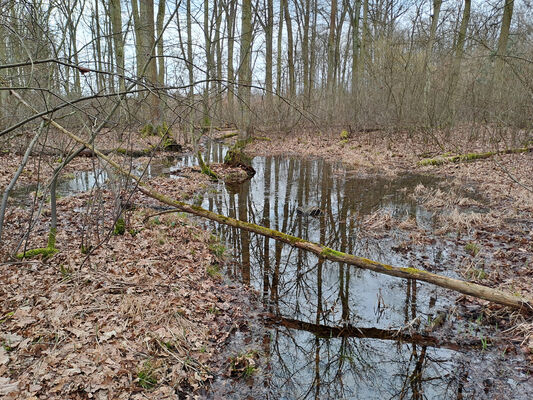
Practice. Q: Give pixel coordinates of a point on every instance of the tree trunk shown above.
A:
(365, 37)
(355, 13)
(330, 83)
(290, 51)
(209, 65)
(458, 57)
(427, 59)
(139, 45)
(312, 55)
(269, 31)
(279, 58)
(118, 40)
(305, 52)
(502, 47)
(230, 7)
(147, 31)
(160, 47)
(245, 69)
(218, 53)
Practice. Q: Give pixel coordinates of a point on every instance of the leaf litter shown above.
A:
(125, 316)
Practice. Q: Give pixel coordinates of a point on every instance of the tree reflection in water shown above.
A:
(335, 328)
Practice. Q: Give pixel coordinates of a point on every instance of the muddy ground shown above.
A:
(143, 310)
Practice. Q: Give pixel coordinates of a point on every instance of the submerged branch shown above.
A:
(349, 331)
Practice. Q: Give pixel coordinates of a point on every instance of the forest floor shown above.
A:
(122, 311)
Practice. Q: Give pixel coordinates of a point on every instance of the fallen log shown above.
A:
(470, 156)
(468, 288)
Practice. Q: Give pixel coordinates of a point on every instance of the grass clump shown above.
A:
(244, 365)
(217, 249)
(472, 248)
(213, 271)
(146, 377)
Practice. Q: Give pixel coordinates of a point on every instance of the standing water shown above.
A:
(337, 328)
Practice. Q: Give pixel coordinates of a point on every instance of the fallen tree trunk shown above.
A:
(470, 156)
(468, 288)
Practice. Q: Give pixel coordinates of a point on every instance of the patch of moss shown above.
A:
(345, 135)
(44, 251)
(332, 253)
(205, 168)
(120, 227)
(213, 271)
(147, 130)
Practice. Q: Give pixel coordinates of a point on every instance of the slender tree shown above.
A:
(245, 65)
(118, 40)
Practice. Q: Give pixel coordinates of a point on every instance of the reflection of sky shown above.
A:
(346, 196)
(358, 368)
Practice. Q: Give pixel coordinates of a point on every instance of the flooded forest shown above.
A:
(274, 199)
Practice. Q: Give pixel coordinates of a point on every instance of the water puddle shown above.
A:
(335, 329)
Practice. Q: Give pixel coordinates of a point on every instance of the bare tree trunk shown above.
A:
(458, 57)
(139, 45)
(427, 59)
(147, 31)
(118, 40)
(305, 53)
(290, 51)
(218, 53)
(100, 83)
(160, 47)
(110, 62)
(279, 58)
(190, 68)
(497, 76)
(245, 67)
(330, 82)
(355, 14)
(312, 55)
(230, 7)
(269, 31)
(208, 67)
(365, 37)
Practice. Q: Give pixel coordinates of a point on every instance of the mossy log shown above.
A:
(227, 136)
(47, 251)
(468, 288)
(470, 156)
